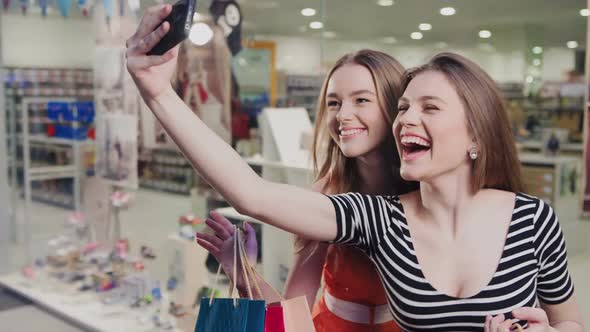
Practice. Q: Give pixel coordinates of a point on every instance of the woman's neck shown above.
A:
(376, 177)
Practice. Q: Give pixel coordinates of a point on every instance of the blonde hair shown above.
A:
(497, 165)
(336, 172)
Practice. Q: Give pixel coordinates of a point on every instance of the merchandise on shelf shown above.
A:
(167, 171)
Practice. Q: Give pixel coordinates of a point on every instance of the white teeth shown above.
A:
(350, 132)
(415, 140)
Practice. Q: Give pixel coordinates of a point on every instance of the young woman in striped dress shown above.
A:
(465, 252)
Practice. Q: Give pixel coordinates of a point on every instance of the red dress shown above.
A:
(349, 275)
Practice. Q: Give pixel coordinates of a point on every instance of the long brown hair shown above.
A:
(337, 173)
(497, 165)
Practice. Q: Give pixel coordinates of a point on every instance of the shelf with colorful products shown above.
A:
(38, 86)
(166, 170)
(56, 152)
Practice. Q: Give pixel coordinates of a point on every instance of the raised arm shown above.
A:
(295, 210)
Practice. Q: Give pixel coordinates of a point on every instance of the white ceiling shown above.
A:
(549, 22)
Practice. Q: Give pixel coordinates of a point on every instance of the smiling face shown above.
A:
(431, 130)
(354, 117)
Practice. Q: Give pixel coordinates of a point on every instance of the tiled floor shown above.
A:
(155, 214)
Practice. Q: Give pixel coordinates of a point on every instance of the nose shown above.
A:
(346, 112)
(410, 117)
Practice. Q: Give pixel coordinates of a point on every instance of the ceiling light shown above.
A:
(536, 62)
(200, 34)
(316, 25)
(485, 34)
(572, 44)
(385, 3)
(447, 11)
(416, 35)
(537, 50)
(389, 40)
(529, 79)
(308, 12)
(329, 34)
(425, 27)
(585, 12)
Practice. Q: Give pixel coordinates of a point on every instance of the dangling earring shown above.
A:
(473, 153)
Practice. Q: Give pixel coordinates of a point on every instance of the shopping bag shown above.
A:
(232, 314)
(296, 313)
(274, 321)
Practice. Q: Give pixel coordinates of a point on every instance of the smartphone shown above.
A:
(181, 21)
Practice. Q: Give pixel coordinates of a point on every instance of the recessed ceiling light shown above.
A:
(425, 26)
(385, 3)
(529, 79)
(537, 50)
(329, 34)
(572, 44)
(316, 25)
(308, 12)
(447, 11)
(200, 34)
(585, 12)
(389, 40)
(485, 34)
(536, 62)
(416, 35)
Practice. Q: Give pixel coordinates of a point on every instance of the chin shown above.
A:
(410, 175)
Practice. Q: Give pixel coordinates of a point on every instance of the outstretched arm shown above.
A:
(279, 205)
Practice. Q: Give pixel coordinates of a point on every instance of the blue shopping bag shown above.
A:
(222, 316)
(232, 314)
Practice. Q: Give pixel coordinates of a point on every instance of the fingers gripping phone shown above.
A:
(181, 21)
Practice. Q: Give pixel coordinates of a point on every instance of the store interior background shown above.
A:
(524, 45)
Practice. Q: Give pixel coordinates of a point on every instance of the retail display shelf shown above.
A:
(82, 309)
(56, 140)
(536, 145)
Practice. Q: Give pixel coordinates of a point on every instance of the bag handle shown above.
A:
(254, 274)
(248, 275)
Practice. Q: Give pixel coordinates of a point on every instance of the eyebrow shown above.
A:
(354, 93)
(423, 98)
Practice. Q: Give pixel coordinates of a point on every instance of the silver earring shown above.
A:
(473, 153)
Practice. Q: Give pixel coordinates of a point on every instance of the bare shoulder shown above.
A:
(495, 197)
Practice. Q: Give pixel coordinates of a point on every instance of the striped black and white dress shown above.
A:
(533, 266)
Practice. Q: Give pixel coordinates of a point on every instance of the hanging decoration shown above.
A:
(108, 10)
(84, 6)
(24, 5)
(6, 4)
(134, 5)
(64, 7)
(43, 4)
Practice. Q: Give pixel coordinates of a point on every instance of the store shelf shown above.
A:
(56, 140)
(53, 172)
(536, 145)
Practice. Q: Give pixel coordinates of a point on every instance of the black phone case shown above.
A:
(181, 21)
